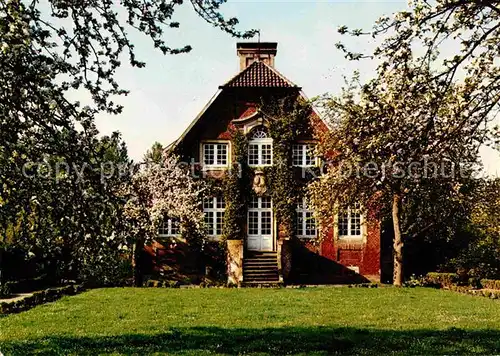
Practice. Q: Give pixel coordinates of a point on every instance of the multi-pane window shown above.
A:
(303, 155)
(260, 154)
(260, 149)
(260, 216)
(169, 227)
(213, 209)
(215, 154)
(305, 221)
(349, 222)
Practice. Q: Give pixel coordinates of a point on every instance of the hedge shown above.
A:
(492, 294)
(40, 297)
(29, 285)
(162, 284)
(441, 279)
(490, 283)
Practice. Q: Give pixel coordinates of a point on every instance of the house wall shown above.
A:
(326, 261)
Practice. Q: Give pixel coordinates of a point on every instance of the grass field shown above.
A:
(258, 321)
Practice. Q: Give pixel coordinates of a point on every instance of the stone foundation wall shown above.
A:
(234, 262)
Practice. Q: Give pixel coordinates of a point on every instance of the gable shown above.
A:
(259, 75)
(255, 81)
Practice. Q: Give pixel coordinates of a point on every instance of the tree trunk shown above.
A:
(138, 249)
(398, 242)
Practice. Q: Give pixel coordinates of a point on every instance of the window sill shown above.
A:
(169, 236)
(213, 168)
(259, 165)
(305, 237)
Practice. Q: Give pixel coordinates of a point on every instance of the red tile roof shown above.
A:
(259, 75)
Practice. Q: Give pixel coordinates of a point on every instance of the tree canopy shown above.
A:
(60, 184)
(408, 140)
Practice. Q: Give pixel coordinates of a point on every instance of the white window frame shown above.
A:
(259, 210)
(306, 146)
(214, 210)
(349, 213)
(216, 164)
(168, 226)
(303, 209)
(259, 143)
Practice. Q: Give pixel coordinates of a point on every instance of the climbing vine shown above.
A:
(289, 119)
(235, 189)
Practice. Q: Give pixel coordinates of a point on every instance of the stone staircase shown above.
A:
(260, 268)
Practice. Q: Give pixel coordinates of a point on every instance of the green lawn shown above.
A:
(258, 321)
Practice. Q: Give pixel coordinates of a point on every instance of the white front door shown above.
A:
(260, 224)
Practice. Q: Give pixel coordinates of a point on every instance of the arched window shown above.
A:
(259, 132)
(260, 148)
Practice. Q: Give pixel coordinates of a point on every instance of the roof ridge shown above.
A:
(232, 82)
(281, 75)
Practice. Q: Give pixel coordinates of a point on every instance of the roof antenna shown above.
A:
(258, 45)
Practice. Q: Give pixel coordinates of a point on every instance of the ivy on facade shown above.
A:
(236, 188)
(288, 120)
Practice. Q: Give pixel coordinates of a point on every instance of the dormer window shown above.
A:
(215, 154)
(260, 148)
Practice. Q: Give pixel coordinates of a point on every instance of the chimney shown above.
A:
(250, 52)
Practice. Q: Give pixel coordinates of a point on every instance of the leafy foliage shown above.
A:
(472, 26)
(397, 143)
(158, 191)
(60, 185)
(414, 112)
(155, 154)
(236, 188)
(289, 119)
(480, 257)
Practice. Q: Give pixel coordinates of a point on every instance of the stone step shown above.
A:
(260, 268)
(260, 263)
(275, 260)
(251, 254)
(266, 269)
(260, 273)
(257, 269)
(261, 280)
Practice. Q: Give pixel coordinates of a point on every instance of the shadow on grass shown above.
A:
(277, 341)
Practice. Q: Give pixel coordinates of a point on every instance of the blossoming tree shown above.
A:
(158, 191)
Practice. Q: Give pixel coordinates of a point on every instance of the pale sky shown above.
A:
(170, 91)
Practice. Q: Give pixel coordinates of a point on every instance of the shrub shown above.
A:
(113, 271)
(490, 283)
(480, 260)
(363, 285)
(32, 284)
(152, 283)
(415, 281)
(441, 279)
(5, 289)
(38, 298)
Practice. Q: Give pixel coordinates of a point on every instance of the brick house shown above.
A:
(348, 251)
